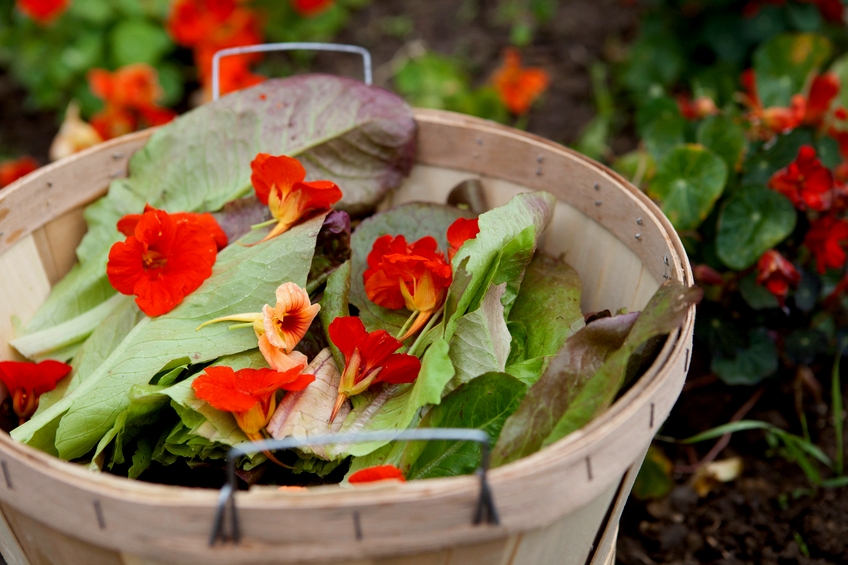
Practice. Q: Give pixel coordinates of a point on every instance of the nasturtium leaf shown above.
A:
(803, 345)
(138, 41)
(549, 398)
(334, 304)
(481, 342)
(413, 221)
(751, 222)
(756, 295)
(783, 64)
(761, 164)
(808, 291)
(499, 253)
(664, 134)
(484, 404)
(724, 137)
(656, 59)
(828, 152)
(394, 407)
(654, 479)
(243, 280)
(840, 67)
(664, 312)
(547, 306)
(689, 180)
(752, 363)
(637, 166)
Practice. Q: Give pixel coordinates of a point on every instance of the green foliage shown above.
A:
(784, 63)
(654, 479)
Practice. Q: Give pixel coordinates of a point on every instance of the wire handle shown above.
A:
(484, 512)
(292, 46)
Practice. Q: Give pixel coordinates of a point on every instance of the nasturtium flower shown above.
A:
(281, 327)
(696, 109)
(414, 275)
(127, 224)
(775, 119)
(13, 169)
(459, 232)
(777, 274)
(377, 473)
(249, 394)
(28, 381)
(42, 11)
(308, 8)
(370, 358)
(162, 262)
(823, 90)
(805, 181)
(826, 240)
(279, 183)
(517, 86)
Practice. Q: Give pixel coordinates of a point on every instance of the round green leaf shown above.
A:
(752, 221)
(783, 64)
(689, 181)
(664, 134)
(751, 364)
(723, 137)
(138, 41)
(756, 295)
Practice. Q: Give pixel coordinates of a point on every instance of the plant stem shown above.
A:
(838, 421)
(316, 283)
(264, 224)
(406, 324)
(426, 329)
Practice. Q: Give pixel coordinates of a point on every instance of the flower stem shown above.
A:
(430, 322)
(406, 324)
(264, 224)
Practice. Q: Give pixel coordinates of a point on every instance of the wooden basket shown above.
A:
(560, 505)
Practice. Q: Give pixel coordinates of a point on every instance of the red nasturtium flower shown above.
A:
(280, 329)
(768, 121)
(162, 262)
(42, 11)
(696, 109)
(27, 381)
(826, 239)
(13, 169)
(370, 358)
(461, 231)
(249, 394)
(127, 224)
(777, 274)
(823, 90)
(415, 275)
(518, 86)
(805, 181)
(279, 183)
(309, 8)
(378, 473)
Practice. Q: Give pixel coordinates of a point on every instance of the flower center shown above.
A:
(153, 260)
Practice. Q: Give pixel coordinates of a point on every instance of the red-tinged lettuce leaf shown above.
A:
(484, 403)
(361, 137)
(663, 313)
(547, 400)
(332, 248)
(238, 216)
(413, 221)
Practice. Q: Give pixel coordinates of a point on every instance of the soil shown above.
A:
(770, 514)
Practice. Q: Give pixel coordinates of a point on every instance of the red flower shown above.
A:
(42, 11)
(278, 182)
(518, 86)
(250, 394)
(823, 90)
(309, 8)
(112, 122)
(768, 121)
(805, 181)
(27, 381)
(207, 222)
(777, 274)
(13, 169)
(416, 276)
(706, 275)
(162, 262)
(825, 239)
(459, 232)
(697, 109)
(378, 473)
(370, 358)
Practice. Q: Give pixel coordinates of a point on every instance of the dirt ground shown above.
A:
(769, 515)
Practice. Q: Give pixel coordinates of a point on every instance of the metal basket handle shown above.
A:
(266, 47)
(485, 510)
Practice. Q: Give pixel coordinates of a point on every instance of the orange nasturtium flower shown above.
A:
(775, 119)
(42, 11)
(249, 394)
(278, 182)
(13, 169)
(127, 224)
(370, 358)
(415, 275)
(518, 86)
(308, 8)
(378, 473)
(279, 329)
(164, 260)
(27, 381)
(823, 90)
(459, 232)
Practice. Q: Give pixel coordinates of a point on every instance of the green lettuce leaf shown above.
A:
(243, 280)
(334, 304)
